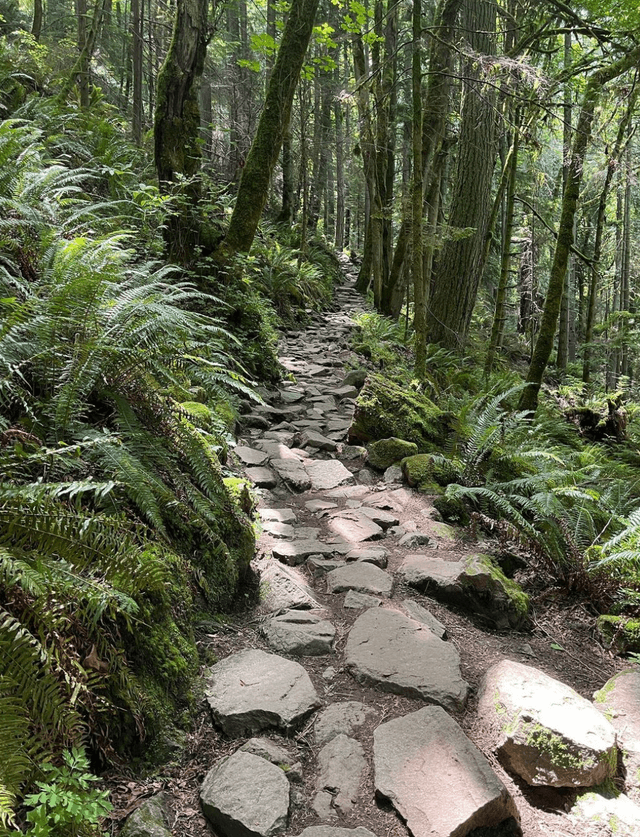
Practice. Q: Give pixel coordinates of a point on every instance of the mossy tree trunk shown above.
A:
(564, 242)
(177, 125)
(262, 158)
(419, 289)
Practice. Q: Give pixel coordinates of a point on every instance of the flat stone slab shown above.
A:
(297, 552)
(396, 654)
(321, 566)
(278, 450)
(619, 701)
(360, 601)
(436, 778)
(300, 633)
(355, 527)
(262, 477)
(278, 515)
(413, 539)
(593, 811)
(316, 506)
(266, 749)
(246, 796)
(421, 614)
(292, 472)
(344, 718)
(543, 730)
(341, 769)
(283, 588)
(252, 690)
(369, 555)
(362, 577)
(313, 439)
(249, 456)
(279, 530)
(327, 474)
(351, 491)
(384, 519)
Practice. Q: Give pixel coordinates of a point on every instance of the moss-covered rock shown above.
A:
(620, 632)
(424, 469)
(489, 586)
(385, 409)
(452, 510)
(150, 819)
(385, 452)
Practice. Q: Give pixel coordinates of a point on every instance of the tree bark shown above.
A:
(262, 158)
(136, 35)
(564, 242)
(36, 23)
(419, 288)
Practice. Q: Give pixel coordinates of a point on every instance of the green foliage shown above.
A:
(66, 804)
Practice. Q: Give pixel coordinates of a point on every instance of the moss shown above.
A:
(385, 409)
(499, 598)
(424, 469)
(386, 452)
(554, 747)
(452, 510)
(620, 632)
(240, 490)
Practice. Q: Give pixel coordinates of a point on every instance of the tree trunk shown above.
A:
(419, 289)
(87, 38)
(564, 242)
(136, 36)
(563, 330)
(459, 267)
(274, 119)
(36, 23)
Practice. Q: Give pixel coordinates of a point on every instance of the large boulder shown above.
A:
(396, 654)
(385, 409)
(246, 796)
(386, 452)
(436, 778)
(252, 690)
(543, 730)
(475, 583)
(619, 701)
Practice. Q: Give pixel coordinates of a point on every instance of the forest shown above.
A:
(182, 181)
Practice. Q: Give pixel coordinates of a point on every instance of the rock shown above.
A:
(262, 477)
(316, 506)
(150, 819)
(307, 533)
(259, 422)
(283, 588)
(385, 409)
(423, 470)
(344, 718)
(619, 702)
(351, 452)
(249, 456)
(291, 396)
(543, 730)
(292, 472)
(355, 526)
(360, 601)
(321, 566)
(245, 796)
(594, 810)
(393, 475)
(328, 474)
(369, 555)
(296, 552)
(382, 518)
(252, 690)
(312, 439)
(412, 539)
(355, 378)
(436, 778)
(421, 614)
(276, 450)
(365, 477)
(386, 452)
(279, 530)
(362, 577)
(341, 765)
(266, 749)
(345, 392)
(452, 510)
(335, 831)
(399, 655)
(620, 632)
(300, 633)
(351, 491)
(278, 515)
(475, 583)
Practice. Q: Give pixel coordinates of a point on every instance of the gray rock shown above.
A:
(543, 730)
(249, 456)
(346, 391)
(341, 765)
(335, 831)
(369, 555)
(321, 566)
(291, 396)
(266, 749)
(365, 477)
(283, 588)
(393, 475)
(344, 718)
(619, 701)
(278, 530)
(436, 778)
(360, 601)
(475, 583)
(351, 491)
(350, 452)
(382, 518)
(307, 533)
(277, 450)
(262, 477)
(259, 422)
(297, 552)
(278, 515)
(396, 654)
(328, 474)
(316, 506)
(293, 472)
(355, 527)
(246, 796)
(362, 577)
(252, 690)
(595, 808)
(300, 633)
(329, 674)
(150, 819)
(413, 539)
(355, 378)
(313, 439)
(421, 614)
